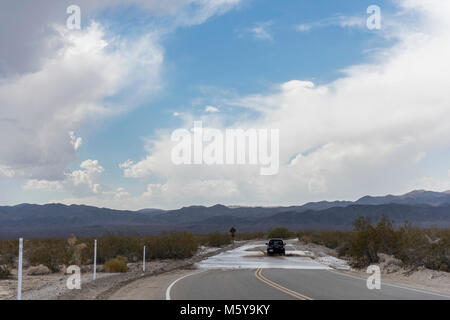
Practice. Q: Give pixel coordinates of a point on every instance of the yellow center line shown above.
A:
(259, 276)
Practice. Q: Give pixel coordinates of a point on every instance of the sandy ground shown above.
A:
(427, 279)
(53, 286)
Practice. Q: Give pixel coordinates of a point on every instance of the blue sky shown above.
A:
(221, 54)
(224, 55)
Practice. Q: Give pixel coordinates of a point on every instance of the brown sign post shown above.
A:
(232, 231)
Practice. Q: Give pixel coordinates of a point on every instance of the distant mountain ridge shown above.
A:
(413, 197)
(425, 208)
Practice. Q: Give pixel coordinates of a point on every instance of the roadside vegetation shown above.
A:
(118, 264)
(7, 256)
(215, 239)
(5, 271)
(415, 247)
(283, 233)
(114, 250)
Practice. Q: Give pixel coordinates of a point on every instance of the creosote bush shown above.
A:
(330, 239)
(283, 233)
(172, 245)
(218, 239)
(414, 246)
(118, 264)
(250, 236)
(52, 253)
(5, 271)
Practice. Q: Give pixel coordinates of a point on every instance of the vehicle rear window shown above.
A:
(276, 242)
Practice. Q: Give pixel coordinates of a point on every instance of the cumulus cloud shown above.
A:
(41, 107)
(364, 133)
(211, 109)
(53, 80)
(85, 181)
(34, 39)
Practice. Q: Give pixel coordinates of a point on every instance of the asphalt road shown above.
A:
(246, 273)
(285, 284)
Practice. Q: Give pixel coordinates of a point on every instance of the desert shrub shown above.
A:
(331, 239)
(250, 236)
(5, 271)
(218, 239)
(281, 233)
(412, 245)
(51, 253)
(116, 244)
(429, 248)
(38, 270)
(8, 251)
(169, 245)
(118, 264)
(172, 245)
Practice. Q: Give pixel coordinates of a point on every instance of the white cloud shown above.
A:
(198, 11)
(85, 181)
(137, 170)
(56, 80)
(337, 20)
(34, 40)
(364, 133)
(211, 109)
(41, 107)
(6, 172)
(43, 185)
(303, 27)
(75, 141)
(262, 31)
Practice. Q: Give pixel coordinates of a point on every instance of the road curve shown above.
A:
(286, 284)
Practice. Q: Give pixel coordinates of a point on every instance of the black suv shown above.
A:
(275, 246)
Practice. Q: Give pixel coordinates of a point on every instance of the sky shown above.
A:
(86, 115)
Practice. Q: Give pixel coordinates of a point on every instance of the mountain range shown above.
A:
(423, 208)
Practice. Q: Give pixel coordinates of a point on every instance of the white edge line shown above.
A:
(172, 284)
(395, 286)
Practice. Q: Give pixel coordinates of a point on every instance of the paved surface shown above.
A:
(246, 273)
(276, 284)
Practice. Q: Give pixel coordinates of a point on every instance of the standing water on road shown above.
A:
(252, 256)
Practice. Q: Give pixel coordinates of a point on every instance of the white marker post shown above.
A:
(143, 261)
(19, 270)
(95, 259)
